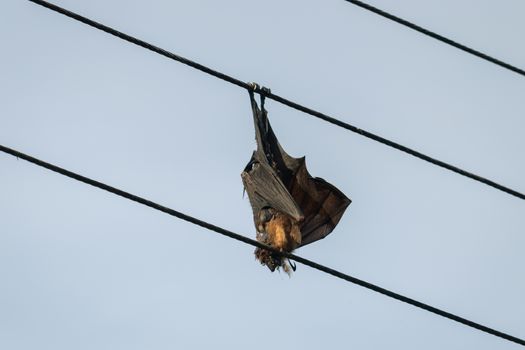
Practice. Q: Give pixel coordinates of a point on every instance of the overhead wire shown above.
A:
(244, 239)
(303, 109)
(437, 36)
(277, 98)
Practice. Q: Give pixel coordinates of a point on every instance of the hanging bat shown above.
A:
(290, 207)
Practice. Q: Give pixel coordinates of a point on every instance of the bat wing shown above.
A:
(264, 174)
(322, 204)
(265, 189)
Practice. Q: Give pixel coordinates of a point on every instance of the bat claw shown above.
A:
(266, 90)
(254, 86)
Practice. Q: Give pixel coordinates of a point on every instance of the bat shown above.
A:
(290, 207)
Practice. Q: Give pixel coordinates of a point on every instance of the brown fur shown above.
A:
(283, 232)
(279, 231)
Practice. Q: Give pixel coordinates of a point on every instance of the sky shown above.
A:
(83, 269)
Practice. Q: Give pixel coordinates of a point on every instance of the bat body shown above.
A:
(290, 207)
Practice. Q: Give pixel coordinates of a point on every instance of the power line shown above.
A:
(277, 98)
(437, 36)
(252, 242)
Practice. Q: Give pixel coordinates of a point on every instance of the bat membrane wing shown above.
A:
(265, 189)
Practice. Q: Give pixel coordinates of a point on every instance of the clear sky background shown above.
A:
(83, 269)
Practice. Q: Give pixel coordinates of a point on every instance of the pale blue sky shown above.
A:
(84, 269)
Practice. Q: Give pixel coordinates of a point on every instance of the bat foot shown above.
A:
(254, 86)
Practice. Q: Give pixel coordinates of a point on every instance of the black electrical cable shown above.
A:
(277, 98)
(252, 242)
(437, 36)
